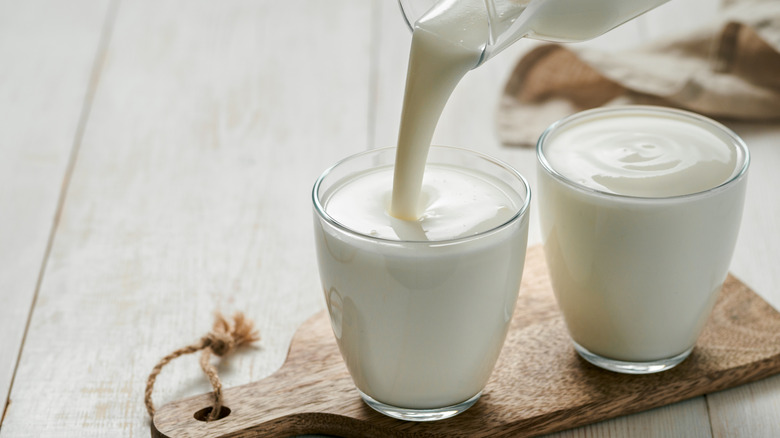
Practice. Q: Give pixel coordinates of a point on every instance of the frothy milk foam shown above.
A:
(637, 275)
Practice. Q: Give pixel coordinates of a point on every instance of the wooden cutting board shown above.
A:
(539, 384)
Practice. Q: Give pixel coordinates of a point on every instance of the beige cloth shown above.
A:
(729, 69)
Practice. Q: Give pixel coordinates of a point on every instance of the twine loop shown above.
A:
(222, 340)
(221, 344)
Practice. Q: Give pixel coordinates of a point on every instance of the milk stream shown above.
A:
(447, 42)
(452, 38)
(420, 311)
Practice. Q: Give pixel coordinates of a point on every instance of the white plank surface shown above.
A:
(753, 410)
(47, 52)
(190, 192)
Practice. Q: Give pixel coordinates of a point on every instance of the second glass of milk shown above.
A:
(420, 309)
(640, 209)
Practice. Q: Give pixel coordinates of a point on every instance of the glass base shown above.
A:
(419, 414)
(620, 366)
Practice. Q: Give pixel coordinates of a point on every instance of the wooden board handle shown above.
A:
(539, 385)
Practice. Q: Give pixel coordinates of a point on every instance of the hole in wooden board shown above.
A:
(203, 414)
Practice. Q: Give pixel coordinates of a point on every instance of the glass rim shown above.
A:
(708, 123)
(521, 211)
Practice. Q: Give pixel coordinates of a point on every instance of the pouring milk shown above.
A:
(453, 37)
(421, 266)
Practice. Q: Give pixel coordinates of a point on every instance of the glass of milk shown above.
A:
(640, 208)
(420, 309)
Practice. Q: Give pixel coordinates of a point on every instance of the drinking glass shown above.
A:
(421, 323)
(636, 277)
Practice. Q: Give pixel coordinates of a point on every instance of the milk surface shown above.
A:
(636, 275)
(642, 154)
(420, 321)
(454, 203)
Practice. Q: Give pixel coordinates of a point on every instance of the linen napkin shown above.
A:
(728, 69)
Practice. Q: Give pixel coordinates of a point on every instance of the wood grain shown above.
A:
(539, 385)
(753, 410)
(47, 52)
(190, 194)
(170, 214)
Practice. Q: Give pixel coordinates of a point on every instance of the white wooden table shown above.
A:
(156, 161)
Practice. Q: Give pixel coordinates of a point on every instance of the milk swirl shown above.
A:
(454, 203)
(647, 154)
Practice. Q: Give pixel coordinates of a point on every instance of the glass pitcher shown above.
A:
(506, 21)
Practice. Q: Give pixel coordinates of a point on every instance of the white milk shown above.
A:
(419, 308)
(642, 154)
(420, 321)
(454, 203)
(637, 240)
(447, 42)
(451, 39)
